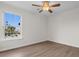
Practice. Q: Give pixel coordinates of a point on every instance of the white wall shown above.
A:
(34, 29)
(64, 27)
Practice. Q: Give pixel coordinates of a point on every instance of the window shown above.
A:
(13, 28)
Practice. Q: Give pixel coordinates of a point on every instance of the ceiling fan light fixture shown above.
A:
(46, 8)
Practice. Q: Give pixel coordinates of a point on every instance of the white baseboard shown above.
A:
(4, 48)
(72, 45)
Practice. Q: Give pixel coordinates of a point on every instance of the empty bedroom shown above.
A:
(39, 28)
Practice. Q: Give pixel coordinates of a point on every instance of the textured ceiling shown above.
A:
(27, 5)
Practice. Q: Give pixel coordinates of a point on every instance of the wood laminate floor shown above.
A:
(44, 49)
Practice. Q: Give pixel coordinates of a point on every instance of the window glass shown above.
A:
(12, 24)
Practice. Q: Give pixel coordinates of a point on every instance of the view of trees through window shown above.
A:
(12, 25)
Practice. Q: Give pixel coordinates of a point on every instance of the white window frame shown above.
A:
(3, 23)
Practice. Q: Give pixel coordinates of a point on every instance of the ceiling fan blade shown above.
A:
(36, 5)
(55, 5)
(50, 11)
(40, 11)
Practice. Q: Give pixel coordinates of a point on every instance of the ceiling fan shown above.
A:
(46, 6)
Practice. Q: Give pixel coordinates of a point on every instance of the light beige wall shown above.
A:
(34, 29)
(64, 27)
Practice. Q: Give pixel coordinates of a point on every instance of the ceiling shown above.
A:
(27, 5)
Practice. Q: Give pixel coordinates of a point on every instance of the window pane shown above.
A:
(12, 25)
